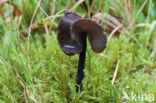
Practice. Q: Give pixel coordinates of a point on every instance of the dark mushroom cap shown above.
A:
(94, 31)
(69, 46)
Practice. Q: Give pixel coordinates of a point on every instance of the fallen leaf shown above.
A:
(111, 22)
(16, 10)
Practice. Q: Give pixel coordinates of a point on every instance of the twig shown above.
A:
(46, 29)
(143, 25)
(115, 73)
(53, 7)
(91, 6)
(30, 30)
(76, 5)
(142, 7)
(67, 5)
(112, 33)
(54, 17)
(17, 77)
(98, 10)
(128, 16)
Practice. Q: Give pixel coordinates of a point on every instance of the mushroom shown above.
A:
(72, 39)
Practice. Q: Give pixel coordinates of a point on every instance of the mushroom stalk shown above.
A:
(81, 65)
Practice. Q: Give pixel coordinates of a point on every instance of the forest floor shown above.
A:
(33, 68)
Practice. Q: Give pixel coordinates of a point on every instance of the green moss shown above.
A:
(52, 74)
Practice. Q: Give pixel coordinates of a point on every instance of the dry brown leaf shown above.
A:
(111, 22)
(112, 19)
(17, 14)
(16, 10)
